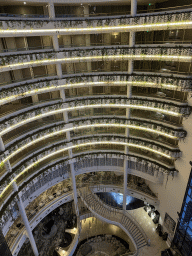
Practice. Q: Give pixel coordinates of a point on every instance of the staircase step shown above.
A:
(95, 205)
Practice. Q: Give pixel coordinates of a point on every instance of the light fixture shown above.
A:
(173, 25)
(24, 2)
(71, 85)
(83, 127)
(33, 164)
(98, 58)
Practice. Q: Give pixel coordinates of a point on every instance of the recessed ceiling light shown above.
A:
(24, 2)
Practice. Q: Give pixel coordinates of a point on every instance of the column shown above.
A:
(56, 48)
(51, 10)
(133, 7)
(86, 10)
(107, 41)
(125, 181)
(31, 72)
(7, 163)
(2, 147)
(65, 117)
(55, 43)
(88, 43)
(74, 186)
(25, 220)
(35, 98)
(129, 94)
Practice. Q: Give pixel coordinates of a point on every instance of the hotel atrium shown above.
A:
(95, 128)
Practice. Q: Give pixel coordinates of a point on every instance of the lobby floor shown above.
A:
(93, 227)
(157, 244)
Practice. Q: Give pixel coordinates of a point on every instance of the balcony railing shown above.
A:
(141, 22)
(101, 53)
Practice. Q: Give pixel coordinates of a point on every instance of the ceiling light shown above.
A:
(24, 2)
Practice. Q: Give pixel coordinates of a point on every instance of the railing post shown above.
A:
(25, 220)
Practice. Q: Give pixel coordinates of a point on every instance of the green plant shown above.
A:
(2, 165)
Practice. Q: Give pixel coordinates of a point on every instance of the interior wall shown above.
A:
(171, 192)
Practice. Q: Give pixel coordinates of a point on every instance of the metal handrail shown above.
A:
(93, 14)
(131, 186)
(37, 104)
(36, 210)
(42, 47)
(122, 213)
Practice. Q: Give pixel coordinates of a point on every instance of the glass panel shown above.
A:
(183, 235)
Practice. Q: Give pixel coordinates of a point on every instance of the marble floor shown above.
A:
(157, 244)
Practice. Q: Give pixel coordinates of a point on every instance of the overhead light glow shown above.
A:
(75, 85)
(57, 111)
(88, 58)
(83, 145)
(85, 127)
(139, 27)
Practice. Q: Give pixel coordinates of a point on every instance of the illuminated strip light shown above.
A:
(87, 58)
(66, 86)
(83, 145)
(85, 127)
(88, 106)
(83, 30)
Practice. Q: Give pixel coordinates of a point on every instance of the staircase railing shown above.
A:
(117, 216)
(126, 214)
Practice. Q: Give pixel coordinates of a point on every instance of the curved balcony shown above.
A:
(151, 128)
(98, 162)
(96, 102)
(52, 150)
(28, 107)
(138, 142)
(180, 19)
(136, 162)
(58, 130)
(31, 106)
(102, 53)
(16, 91)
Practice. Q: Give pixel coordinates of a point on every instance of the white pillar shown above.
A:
(129, 94)
(65, 116)
(125, 184)
(51, 10)
(35, 98)
(86, 10)
(59, 70)
(56, 48)
(62, 94)
(131, 39)
(7, 163)
(55, 43)
(2, 147)
(74, 187)
(31, 72)
(65, 113)
(133, 7)
(25, 221)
